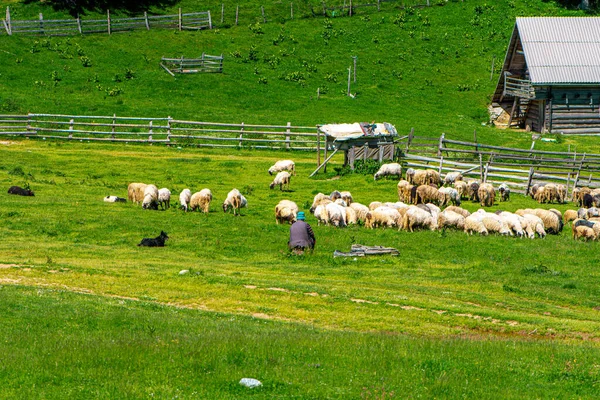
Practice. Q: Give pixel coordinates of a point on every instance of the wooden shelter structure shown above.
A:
(550, 80)
(358, 141)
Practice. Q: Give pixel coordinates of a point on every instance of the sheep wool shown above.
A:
(201, 200)
(283, 165)
(184, 198)
(286, 211)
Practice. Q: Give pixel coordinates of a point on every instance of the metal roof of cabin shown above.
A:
(561, 50)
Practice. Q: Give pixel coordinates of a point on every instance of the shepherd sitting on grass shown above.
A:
(302, 236)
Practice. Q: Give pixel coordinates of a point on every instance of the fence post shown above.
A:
(179, 26)
(222, 11)
(441, 144)
(209, 20)
(292, 10)
(349, 71)
(324, 10)
(287, 135)
(378, 8)
(114, 121)
(529, 180)
(318, 147)
(241, 135)
(71, 128)
(441, 165)
(150, 131)
(7, 23)
(146, 19)
(409, 140)
(237, 11)
(492, 72)
(380, 153)
(79, 23)
(108, 20)
(428, 3)
(354, 59)
(350, 10)
(169, 128)
(262, 11)
(41, 24)
(480, 168)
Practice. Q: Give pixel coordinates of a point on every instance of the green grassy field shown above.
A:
(448, 298)
(88, 314)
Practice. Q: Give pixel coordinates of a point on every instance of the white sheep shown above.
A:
(351, 216)
(514, 222)
(389, 170)
(382, 216)
(283, 165)
(451, 219)
(164, 198)
(286, 211)
(533, 224)
(114, 199)
(184, 198)
(201, 200)
(451, 194)
(361, 211)
(375, 204)
(150, 201)
(282, 179)
(347, 197)
(416, 216)
(452, 177)
(135, 192)
(504, 191)
(319, 199)
(233, 201)
(474, 223)
(336, 214)
(320, 213)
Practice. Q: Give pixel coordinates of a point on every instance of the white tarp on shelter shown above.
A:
(357, 130)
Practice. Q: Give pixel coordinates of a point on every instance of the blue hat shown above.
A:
(300, 216)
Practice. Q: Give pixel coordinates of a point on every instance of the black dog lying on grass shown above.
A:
(158, 241)
(20, 191)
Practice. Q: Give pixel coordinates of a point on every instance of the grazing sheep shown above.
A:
(486, 194)
(114, 199)
(397, 205)
(504, 191)
(552, 221)
(579, 193)
(533, 190)
(429, 194)
(433, 178)
(514, 222)
(474, 223)
(158, 241)
(382, 216)
(201, 200)
(452, 177)
(19, 191)
(533, 224)
(590, 224)
(351, 216)
(341, 202)
(336, 214)
(416, 217)
(394, 169)
(495, 223)
(150, 201)
(593, 212)
(587, 200)
(451, 219)
(458, 210)
(164, 198)
(410, 175)
(233, 202)
(473, 191)
(361, 211)
(286, 211)
(583, 232)
(184, 198)
(320, 213)
(375, 204)
(347, 197)
(335, 195)
(282, 179)
(570, 215)
(319, 199)
(283, 165)
(462, 189)
(562, 193)
(451, 195)
(403, 190)
(135, 192)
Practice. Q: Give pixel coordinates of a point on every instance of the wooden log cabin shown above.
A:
(550, 79)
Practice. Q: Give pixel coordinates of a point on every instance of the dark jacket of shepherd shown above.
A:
(20, 191)
(158, 241)
(301, 236)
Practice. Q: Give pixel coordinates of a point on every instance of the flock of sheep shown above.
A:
(426, 200)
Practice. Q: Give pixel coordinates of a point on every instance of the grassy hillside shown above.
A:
(452, 315)
(427, 68)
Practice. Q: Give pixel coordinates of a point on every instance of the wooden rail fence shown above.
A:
(63, 27)
(183, 65)
(159, 130)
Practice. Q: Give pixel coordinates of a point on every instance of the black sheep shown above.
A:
(580, 222)
(588, 200)
(158, 241)
(20, 191)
